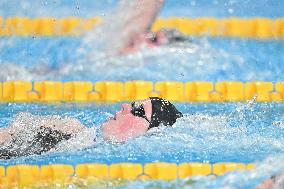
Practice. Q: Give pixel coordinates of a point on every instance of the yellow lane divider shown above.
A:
(114, 91)
(257, 27)
(23, 175)
(227, 27)
(46, 26)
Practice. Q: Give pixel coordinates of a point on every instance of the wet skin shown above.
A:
(124, 125)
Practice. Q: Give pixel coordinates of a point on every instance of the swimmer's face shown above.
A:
(124, 125)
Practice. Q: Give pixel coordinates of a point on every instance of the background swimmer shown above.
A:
(133, 120)
(133, 29)
(138, 28)
(275, 182)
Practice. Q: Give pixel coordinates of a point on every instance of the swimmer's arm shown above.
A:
(142, 19)
(145, 14)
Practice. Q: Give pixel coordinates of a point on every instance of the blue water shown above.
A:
(237, 132)
(233, 132)
(211, 59)
(192, 8)
(209, 133)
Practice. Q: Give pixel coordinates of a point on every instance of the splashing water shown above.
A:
(25, 127)
(207, 133)
(88, 57)
(194, 61)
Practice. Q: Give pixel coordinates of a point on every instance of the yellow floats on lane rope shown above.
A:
(228, 27)
(46, 26)
(114, 91)
(257, 27)
(24, 175)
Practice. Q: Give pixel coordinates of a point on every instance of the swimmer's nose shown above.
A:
(125, 108)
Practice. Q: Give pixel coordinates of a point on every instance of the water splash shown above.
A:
(198, 136)
(197, 60)
(204, 136)
(93, 58)
(24, 128)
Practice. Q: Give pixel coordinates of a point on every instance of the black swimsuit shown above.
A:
(45, 139)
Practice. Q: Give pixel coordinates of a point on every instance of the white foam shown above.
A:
(83, 139)
(25, 126)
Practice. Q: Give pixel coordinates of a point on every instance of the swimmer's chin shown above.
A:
(111, 138)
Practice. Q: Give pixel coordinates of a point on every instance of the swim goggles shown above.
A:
(138, 110)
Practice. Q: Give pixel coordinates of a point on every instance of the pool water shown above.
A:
(190, 8)
(210, 59)
(209, 132)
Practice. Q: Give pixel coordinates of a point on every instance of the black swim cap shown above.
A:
(163, 112)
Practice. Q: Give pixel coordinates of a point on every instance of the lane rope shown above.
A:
(23, 175)
(257, 27)
(115, 91)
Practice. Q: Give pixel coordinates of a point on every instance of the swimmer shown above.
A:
(133, 120)
(275, 182)
(146, 13)
(133, 29)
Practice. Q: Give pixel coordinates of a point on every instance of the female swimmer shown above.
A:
(133, 120)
